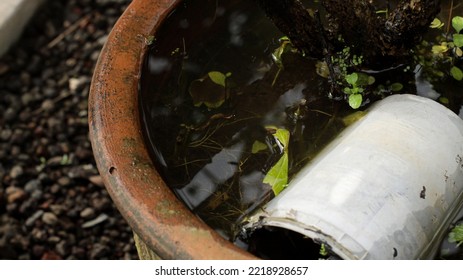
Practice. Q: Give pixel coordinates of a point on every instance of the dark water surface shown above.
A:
(215, 155)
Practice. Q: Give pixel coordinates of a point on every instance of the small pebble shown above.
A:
(87, 213)
(49, 218)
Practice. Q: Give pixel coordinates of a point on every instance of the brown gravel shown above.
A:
(53, 204)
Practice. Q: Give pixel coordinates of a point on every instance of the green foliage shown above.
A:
(436, 23)
(457, 23)
(258, 146)
(357, 83)
(352, 118)
(210, 90)
(456, 73)
(149, 40)
(217, 77)
(285, 46)
(277, 176)
(323, 252)
(445, 54)
(355, 100)
(456, 235)
(396, 87)
(458, 40)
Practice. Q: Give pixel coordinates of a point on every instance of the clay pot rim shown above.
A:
(138, 191)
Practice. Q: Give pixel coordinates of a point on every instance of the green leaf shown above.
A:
(355, 100)
(457, 23)
(352, 78)
(444, 100)
(323, 250)
(352, 118)
(277, 176)
(258, 146)
(347, 90)
(456, 73)
(458, 52)
(282, 135)
(397, 87)
(205, 91)
(436, 23)
(458, 40)
(456, 235)
(438, 49)
(217, 77)
(285, 46)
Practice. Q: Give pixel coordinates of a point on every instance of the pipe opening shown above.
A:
(278, 243)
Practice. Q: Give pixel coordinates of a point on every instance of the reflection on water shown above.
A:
(206, 154)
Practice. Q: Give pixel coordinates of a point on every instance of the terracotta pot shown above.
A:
(149, 206)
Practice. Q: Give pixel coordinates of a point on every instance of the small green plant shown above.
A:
(456, 235)
(356, 86)
(277, 176)
(323, 251)
(445, 53)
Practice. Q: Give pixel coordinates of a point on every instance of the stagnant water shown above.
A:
(212, 99)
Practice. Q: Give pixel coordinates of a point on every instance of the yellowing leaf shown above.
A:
(458, 52)
(436, 23)
(282, 135)
(205, 91)
(439, 49)
(258, 146)
(217, 77)
(352, 118)
(277, 176)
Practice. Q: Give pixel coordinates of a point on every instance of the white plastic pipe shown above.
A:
(386, 188)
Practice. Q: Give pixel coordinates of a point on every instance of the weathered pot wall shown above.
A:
(140, 194)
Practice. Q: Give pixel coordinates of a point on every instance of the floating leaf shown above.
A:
(323, 252)
(205, 91)
(456, 235)
(352, 118)
(458, 40)
(355, 100)
(258, 146)
(322, 69)
(277, 176)
(217, 77)
(285, 46)
(444, 100)
(282, 135)
(457, 23)
(149, 40)
(397, 87)
(439, 49)
(436, 23)
(456, 73)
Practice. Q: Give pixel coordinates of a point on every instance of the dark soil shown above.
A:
(53, 204)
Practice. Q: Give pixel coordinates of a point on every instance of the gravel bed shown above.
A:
(53, 204)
